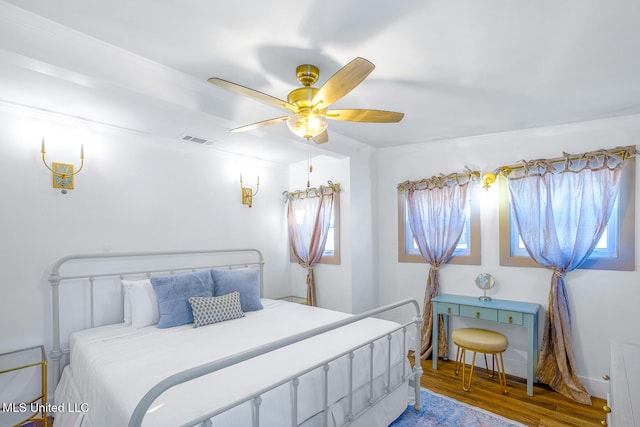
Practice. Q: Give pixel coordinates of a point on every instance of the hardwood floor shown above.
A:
(544, 408)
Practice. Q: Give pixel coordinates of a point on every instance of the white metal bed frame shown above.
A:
(57, 277)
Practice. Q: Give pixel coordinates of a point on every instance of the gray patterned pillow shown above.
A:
(208, 310)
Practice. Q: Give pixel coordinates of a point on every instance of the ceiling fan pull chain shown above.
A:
(309, 165)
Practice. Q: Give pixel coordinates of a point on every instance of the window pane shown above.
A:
(463, 248)
(330, 245)
(603, 243)
(468, 248)
(605, 248)
(331, 254)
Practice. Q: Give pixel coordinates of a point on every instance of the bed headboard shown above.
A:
(92, 283)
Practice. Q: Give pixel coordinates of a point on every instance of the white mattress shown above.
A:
(113, 366)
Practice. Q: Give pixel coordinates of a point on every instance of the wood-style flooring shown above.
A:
(544, 408)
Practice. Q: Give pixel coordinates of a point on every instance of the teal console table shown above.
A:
(496, 310)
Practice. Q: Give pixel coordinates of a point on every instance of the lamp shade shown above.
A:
(307, 124)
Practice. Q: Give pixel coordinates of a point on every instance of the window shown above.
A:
(330, 245)
(615, 249)
(331, 253)
(606, 247)
(468, 248)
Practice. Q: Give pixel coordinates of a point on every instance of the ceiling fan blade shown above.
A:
(322, 138)
(251, 93)
(368, 116)
(343, 82)
(257, 125)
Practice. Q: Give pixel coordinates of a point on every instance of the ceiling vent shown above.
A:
(197, 140)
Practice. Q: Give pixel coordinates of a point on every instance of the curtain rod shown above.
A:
(626, 152)
(312, 191)
(438, 179)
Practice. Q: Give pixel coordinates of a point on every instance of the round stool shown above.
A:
(480, 341)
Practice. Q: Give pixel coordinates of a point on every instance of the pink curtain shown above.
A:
(436, 211)
(561, 211)
(308, 218)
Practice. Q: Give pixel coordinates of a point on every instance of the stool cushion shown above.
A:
(480, 340)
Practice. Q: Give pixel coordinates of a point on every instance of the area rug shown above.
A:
(442, 411)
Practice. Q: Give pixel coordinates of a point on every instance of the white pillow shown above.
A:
(127, 305)
(142, 303)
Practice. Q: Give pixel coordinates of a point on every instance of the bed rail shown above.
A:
(137, 260)
(190, 374)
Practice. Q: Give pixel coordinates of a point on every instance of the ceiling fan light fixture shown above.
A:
(307, 124)
(309, 106)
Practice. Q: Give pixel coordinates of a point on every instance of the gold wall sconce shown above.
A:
(248, 193)
(488, 179)
(62, 174)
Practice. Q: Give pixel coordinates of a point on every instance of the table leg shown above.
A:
(532, 351)
(445, 324)
(434, 336)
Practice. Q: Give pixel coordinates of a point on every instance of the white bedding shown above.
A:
(113, 366)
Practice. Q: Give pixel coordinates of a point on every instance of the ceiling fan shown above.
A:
(309, 106)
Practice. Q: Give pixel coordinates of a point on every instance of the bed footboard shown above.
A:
(413, 376)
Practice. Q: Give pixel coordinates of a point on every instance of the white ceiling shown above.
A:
(455, 67)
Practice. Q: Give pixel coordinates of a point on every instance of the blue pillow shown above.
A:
(244, 280)
(173, 294)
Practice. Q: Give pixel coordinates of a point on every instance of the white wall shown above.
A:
(136, 193)
(364, 236)
(603, 303)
